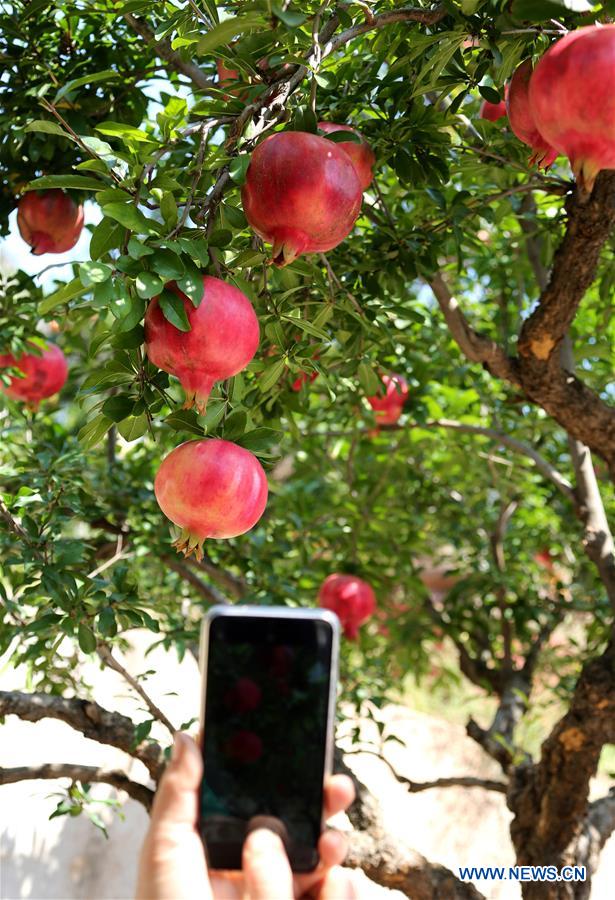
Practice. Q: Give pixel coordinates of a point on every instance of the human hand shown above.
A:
(172, 864)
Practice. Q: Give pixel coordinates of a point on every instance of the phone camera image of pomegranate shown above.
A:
(49, 221)
(301, 194)
(245, 696)
(244, 747)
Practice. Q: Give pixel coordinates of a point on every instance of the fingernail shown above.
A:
(264, 841)
(180, 745)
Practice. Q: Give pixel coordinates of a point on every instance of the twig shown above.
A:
(84, 774)
(165, 51)
(105, 654)
(209, 593)
(415, 787)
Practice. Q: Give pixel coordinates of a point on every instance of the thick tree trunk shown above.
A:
(553, 822)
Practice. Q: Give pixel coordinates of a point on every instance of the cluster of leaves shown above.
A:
(91, 557)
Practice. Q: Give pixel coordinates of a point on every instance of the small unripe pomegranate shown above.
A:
(361, 155)
(50, 221)
(572, 99)
(44, 375)
(492, 111)
(222, 340)
(522, 120)
(244, 747)
(301, 194)
(351, 598)
(390, 405)
(245, 696)
(210, 489)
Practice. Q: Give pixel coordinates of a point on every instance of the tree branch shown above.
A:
(84, 774)
(416, 787)
(91, 719)
(537, 370)
(107, 657)
(549, 799)
(424, 16)
(164, 50)
(206, 591)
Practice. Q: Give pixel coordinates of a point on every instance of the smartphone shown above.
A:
(267, 728)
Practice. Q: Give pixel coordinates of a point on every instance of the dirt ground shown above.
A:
(69, 859)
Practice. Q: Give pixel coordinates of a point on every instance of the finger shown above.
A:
(266, 867)
(332, 847)
(339, 794)
(176, 801)
(338, 884)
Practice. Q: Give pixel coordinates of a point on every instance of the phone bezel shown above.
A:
(278, 612)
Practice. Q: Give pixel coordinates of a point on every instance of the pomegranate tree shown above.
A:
(210, 489)
(43, 375)
(361, 154)
(572, 98)
(50, 221)
(301, 194)
(222, 340)
(351, 598)
(390, 405)
(522, 120)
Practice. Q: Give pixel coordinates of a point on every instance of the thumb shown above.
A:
(338, 884)
(176, 801)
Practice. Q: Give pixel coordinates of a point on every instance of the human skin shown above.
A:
(172, 864)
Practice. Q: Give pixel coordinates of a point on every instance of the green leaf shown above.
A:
(172, 307)
(133, 428)
(106, 622)
(94, 431)
(136, 249)
(121, 130)
(46, 127)
(167, 264)
(369, 380)
(92, 78)
(271, 374)
(168, 209)
(131, 217)
(87, 638)
(131, 336)
(227, 30)
(235, 425)
(184, 420)
(192, 284)
(106, 236)
(220, 238)
(77, 182)
(260, 440)
(67, 292)
(118, 407)
(148, 285)
(306, 326)
(94, 273)
(489, 93)
(290, 17)
(342, 137)
(238, 167)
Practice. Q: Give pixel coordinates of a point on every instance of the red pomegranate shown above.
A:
(390, 405)
(522, 120)
(492, 111)
(44, 375)
(210, 489)
(361, 155)
(244, 747)
(245, 696)
(544, 559)
(351, 598)
(302, 379)
(50, 221)
(223, 339)
(301, 194)
(225, 75)
(572, 98)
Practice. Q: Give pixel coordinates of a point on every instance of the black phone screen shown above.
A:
(265, 734)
